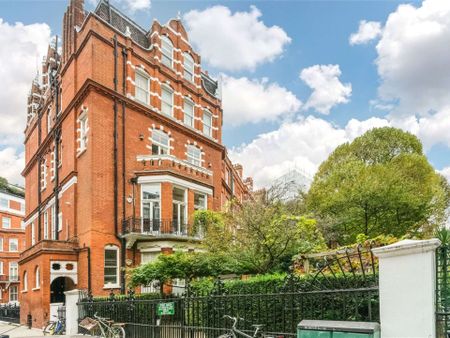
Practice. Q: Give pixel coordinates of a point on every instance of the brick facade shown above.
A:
(12, 242)
(123, 143)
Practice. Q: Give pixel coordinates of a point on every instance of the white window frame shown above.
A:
(53, 222)
(44, 174)
(207, 128)
(201, 207)
(138, 91)
(37, 278)
(1, 244)
(164, 103)
(12, 241)
(60, 221)
(2, 201)
(46, 224)
(49, 121)
(13, 266)
(25, 282)
(188, 67)
(197, 161)
(84, 128)
(1, 268)
(115, 248)
(8, 225)
(33, 234)
(191, 117)
(167, 50)
(14, 294)
(157, 134)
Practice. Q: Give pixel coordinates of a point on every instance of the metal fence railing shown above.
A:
(443, 291)
(10, 313)
(203, 316)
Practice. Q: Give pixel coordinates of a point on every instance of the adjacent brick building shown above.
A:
(12, 242)
(123, 143)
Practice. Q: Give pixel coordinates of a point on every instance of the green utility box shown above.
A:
(337, 329)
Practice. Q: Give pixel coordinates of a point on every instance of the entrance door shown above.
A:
(58, 287)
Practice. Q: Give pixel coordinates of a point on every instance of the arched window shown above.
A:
(37, 276)
(167, 100)
(188, 67)
(25, 281)
(167, 51)
(111, 266)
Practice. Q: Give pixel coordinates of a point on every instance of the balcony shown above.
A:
(136, 228)
(9, 279)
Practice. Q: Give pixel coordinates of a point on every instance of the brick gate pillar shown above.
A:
(407, 288)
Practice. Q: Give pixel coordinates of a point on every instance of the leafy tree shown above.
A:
(262, 233)
(381, 183)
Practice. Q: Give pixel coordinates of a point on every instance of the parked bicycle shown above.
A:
(236, 333)
(103, 327)
(56, 327)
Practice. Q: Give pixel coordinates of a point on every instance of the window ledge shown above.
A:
(35, 289)
(81, 151)
(111, 286)
(24, 291)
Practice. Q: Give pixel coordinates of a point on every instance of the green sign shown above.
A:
(166, 309)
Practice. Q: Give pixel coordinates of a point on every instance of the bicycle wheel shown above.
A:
(117, 332)
(49, 330)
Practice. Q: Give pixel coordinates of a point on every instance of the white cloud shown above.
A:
(137, 5)
(304, 143)
(446, 173)
(328, 90)
(413, 58)
(11, 165)
(234, 41)
(26, 44)
(367, 31)
(252, 100)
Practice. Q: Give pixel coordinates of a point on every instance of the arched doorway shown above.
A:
(58, 287)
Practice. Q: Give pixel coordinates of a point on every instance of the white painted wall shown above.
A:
(71, 312)
(407, 289)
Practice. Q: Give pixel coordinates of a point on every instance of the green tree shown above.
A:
(381, 183)
(262, 233)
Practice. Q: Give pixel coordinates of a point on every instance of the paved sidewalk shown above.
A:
(20, 331)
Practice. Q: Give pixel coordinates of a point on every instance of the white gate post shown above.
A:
(72, 312)
(407, 288)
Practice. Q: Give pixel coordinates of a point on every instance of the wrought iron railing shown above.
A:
(9, 279)
(155, 227)
(443, 291)
(10, 313)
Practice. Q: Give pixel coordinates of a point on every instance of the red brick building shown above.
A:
(123, 143)
(12, 242)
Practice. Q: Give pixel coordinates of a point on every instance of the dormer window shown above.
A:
(194, 155)
(142, 87)
(167, 51)
(160, 142)
(188, 67)
(167, 100)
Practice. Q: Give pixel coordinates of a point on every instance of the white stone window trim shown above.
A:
(82, 131)
(44, 174)
(37, 278)
(141, 72)
(192, 103)
(207, 112)
(116, 248)
(188, 67)
(154, 130)
(193, 159)
(167, 46)
(52, 166)
(175, 160)
(168, 89)
(25, 282)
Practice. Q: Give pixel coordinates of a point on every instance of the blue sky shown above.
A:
(394, 73)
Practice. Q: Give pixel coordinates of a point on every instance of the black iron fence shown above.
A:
(443, 291)
(10, 313)
(203, 316)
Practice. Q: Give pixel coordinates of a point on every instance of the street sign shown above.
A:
(164, 309)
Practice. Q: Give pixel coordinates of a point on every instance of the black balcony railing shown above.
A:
(155, 227)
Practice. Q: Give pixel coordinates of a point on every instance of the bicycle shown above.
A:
(103, 327)
(235, 332)
(53, 328)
